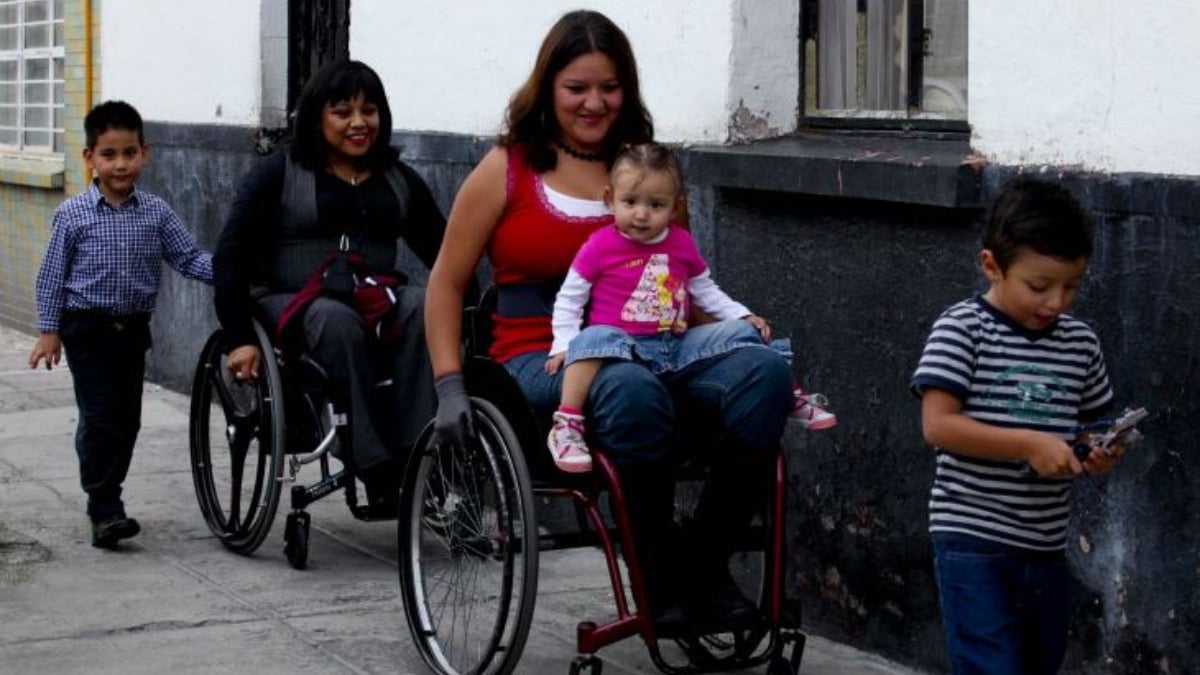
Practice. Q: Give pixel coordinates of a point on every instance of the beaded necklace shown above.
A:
(580, 154)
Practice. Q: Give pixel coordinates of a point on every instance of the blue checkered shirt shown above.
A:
(106, 258)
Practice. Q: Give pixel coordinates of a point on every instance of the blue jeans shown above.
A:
(631, 414)
(631, 411)
(667, 352)
(1004, 608)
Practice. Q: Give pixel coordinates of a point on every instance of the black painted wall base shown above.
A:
(853, 248)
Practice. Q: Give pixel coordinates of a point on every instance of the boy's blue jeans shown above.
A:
(107, 358)
(1004, 608)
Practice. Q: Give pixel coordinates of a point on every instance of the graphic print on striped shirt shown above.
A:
(1008, 376)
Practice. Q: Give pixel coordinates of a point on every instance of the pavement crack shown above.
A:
(149, 627)
(261, 612)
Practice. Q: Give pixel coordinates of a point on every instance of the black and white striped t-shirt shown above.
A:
(1009, 376)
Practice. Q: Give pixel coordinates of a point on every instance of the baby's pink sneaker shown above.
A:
(810, 410)
(566, 443)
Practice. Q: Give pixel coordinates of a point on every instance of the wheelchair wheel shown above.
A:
(237, 448)
(469, 550)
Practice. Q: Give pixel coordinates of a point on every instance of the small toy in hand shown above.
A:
(1105, 433)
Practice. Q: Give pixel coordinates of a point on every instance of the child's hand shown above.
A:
(1100, 462)
(555, 362)
(48, 347)
(764, 328)
(1052, 457)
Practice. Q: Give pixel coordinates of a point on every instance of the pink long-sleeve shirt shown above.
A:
(643, 288)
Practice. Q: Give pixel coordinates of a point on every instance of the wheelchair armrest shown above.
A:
(313, 372)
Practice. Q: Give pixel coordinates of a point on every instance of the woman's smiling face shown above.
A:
(350, 127)
(587, 99)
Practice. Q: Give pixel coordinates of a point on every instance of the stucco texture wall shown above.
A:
(1102, 84)
(682, 46)
(857, 286)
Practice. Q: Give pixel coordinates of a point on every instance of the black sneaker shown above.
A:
(108, 531)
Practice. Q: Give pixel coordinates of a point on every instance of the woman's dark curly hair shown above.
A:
(340, 80)
(530, 119)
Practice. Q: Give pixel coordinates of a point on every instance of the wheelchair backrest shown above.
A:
(477, 324)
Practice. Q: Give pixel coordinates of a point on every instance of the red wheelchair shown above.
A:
(469, 546)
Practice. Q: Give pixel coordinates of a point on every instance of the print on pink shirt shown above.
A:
(658, 297)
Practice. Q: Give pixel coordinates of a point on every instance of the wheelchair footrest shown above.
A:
(696, 628)
(373, 512)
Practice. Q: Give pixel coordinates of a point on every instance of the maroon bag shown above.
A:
(374, 296)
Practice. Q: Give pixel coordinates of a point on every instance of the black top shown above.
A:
(366, 212)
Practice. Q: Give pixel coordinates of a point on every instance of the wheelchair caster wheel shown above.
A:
(779, 666)
(586, 664)
(295, 539)
(783, 664)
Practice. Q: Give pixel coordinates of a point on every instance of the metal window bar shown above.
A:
(870, 60)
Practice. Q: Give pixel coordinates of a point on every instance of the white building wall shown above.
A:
(188, 61)
(1101, 84)
(1108, 85)
(451, 66)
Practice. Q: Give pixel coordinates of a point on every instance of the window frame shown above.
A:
(907, 124)
(55, 81)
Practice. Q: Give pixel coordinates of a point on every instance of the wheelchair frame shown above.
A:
(507, 425)
(301, 385)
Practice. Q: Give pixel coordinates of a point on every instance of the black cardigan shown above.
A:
(367, 212)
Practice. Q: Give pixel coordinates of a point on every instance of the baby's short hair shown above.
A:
(1038, 215)
(112, 115)
(649, 156)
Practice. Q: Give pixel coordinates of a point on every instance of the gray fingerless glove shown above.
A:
(453, 424)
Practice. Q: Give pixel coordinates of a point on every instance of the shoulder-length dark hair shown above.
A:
(530, 119)
(337, 81)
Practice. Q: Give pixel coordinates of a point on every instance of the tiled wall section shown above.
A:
(25, 211)
(24, 228)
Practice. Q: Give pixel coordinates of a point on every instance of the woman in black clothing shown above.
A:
(341, 185)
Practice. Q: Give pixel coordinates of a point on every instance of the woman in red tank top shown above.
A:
(528, 205)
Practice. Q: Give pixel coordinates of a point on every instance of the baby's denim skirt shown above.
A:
(670, 352)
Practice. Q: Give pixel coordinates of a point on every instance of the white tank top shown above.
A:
(575, 206)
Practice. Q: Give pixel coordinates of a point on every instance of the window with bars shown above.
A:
(31, 77)
(880, 60)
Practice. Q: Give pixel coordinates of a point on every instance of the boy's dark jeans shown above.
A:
(1004, 608)
(107, 358)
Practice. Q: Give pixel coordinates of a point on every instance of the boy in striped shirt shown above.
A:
(1004, 379)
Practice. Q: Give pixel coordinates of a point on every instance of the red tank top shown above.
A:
(533, 242)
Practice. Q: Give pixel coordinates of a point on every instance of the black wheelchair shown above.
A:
(245, 445)
(469, 545)
(468, 532)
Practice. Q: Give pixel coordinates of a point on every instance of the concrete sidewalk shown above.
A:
(173, 600)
